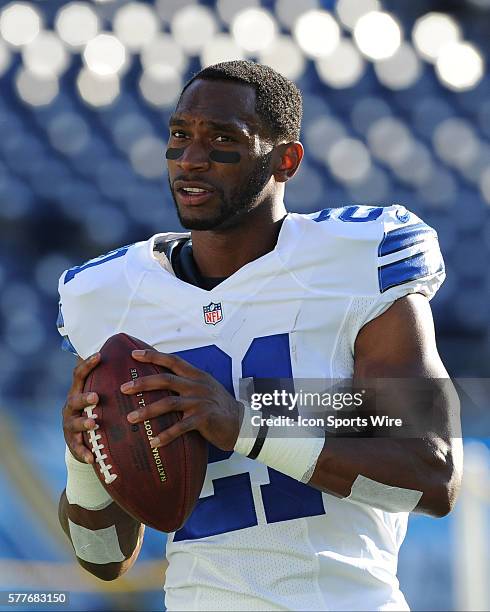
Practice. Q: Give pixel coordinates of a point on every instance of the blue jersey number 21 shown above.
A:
(232, 505)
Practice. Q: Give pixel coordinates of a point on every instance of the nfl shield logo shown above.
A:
(213, 313)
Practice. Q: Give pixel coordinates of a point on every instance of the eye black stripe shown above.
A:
(222, 157)
(173, 153)
(225, 157)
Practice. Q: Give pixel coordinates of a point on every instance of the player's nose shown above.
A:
(194, 157)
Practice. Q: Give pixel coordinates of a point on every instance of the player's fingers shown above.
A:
(80, 424)
(82, 370)
(179, 366)
(78, 401)
(172, 433)
(172, 403)
(155, 382)
(77, 448)
(81, 452)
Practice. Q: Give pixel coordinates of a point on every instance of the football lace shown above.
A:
(97, 449)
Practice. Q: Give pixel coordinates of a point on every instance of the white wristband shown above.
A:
(83, 488)
(248, 434)
(295, 457)
(293, 451)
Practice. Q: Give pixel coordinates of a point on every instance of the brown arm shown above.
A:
(129, 532)
(401, 344)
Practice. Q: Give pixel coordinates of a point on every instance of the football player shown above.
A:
(310, 523)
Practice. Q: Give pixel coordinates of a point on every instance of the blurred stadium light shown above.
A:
(460, 65)
(45, 55)
(401, 70)
(192, 27)
(343, 67)
(76, 24)
(288, 11)
(254, 29)
(284, 56)
(221, 48)
(20, 23)
(163, 50)
(96, 89)
(350, 11)
(229, 9)
(432, 31)
(377, 35)
(36, 90)
(317, 33)
(105, 54)
(349, 160)
(396, 110)
(135, 25)
(161, 85)
(166, 9)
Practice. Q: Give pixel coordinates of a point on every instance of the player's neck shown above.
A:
(222, 253)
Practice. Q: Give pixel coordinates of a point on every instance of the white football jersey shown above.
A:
(257, 539)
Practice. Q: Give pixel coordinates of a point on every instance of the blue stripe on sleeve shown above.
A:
(405, 237)
(410, 269)
(67, 346)
(72, 272)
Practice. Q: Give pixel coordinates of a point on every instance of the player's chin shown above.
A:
(200, 219)
(199, 223)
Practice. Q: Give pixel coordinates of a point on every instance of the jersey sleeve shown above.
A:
(93, 299)
(408, 260)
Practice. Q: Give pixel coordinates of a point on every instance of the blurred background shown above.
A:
(397, 110)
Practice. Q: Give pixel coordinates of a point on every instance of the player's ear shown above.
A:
(288, 159)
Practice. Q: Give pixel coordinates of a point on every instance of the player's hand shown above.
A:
(74, 420)
(205, 404)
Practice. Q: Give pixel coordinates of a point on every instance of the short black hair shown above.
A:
(278, 100)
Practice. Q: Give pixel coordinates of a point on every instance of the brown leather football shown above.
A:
(158, 487)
